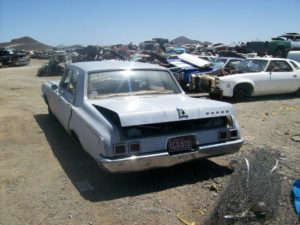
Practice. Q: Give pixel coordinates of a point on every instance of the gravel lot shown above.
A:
(46, 178)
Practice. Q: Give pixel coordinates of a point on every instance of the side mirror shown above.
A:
(54, 87)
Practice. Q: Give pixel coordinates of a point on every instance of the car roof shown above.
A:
(279, 59)
(262, 58)
(114, 65)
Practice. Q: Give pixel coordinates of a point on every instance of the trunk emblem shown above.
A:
(181, 113)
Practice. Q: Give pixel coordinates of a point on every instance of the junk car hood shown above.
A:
(234, 77)
(138, 110)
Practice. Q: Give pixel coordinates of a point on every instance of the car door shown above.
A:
(282, 77)
(66, 95)
(296, 76)
(259, 76)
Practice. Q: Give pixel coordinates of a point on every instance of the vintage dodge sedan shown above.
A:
(133, 116)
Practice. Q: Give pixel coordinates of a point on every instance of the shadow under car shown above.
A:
(95, 184)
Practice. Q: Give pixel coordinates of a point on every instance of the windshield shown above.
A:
(218, 63)
(130, 82)
(252, 65)
(215, 62)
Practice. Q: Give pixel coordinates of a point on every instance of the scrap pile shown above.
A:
(13, 57)
(55, 65)
(182, 56)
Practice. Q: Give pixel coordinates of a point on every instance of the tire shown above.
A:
(238, 94)
(242, 91)
(212, 95)
(298, 93)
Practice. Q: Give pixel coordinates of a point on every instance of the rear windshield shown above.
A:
(131, 82)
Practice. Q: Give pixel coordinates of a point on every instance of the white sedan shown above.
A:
(259, 76)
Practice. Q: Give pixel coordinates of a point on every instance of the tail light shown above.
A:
(134, 147)
(120, 149)
(233, 134)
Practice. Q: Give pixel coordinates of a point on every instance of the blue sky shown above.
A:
(105, 22)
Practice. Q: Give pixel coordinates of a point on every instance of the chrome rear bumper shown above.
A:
(164, 159)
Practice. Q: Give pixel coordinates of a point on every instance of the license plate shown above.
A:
(181, 144)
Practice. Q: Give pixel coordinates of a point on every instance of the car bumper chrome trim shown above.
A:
(164, 159)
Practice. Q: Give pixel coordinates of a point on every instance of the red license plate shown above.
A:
(180, 144)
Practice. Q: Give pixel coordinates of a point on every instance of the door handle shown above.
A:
(295, 76)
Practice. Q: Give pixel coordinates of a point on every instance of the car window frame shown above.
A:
(65, 90)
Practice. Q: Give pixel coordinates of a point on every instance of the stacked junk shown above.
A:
(195, 65)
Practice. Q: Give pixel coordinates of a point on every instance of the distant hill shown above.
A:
(61, 46)
(182, 40)
(25, 43)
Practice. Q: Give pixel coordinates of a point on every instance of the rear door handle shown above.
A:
(295, 76)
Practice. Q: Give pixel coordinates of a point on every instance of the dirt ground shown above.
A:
(46, 178)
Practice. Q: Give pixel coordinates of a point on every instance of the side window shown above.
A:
(69, 81)
(65, 79)
(73, 83)
(279, 66)
(271, 67)
(294, 65)
(232, 64)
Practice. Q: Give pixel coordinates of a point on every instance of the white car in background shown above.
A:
(294, 55)
(259, 76)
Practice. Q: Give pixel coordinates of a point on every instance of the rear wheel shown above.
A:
(298, 93)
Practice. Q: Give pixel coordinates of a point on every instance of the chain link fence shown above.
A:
(252, 194)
